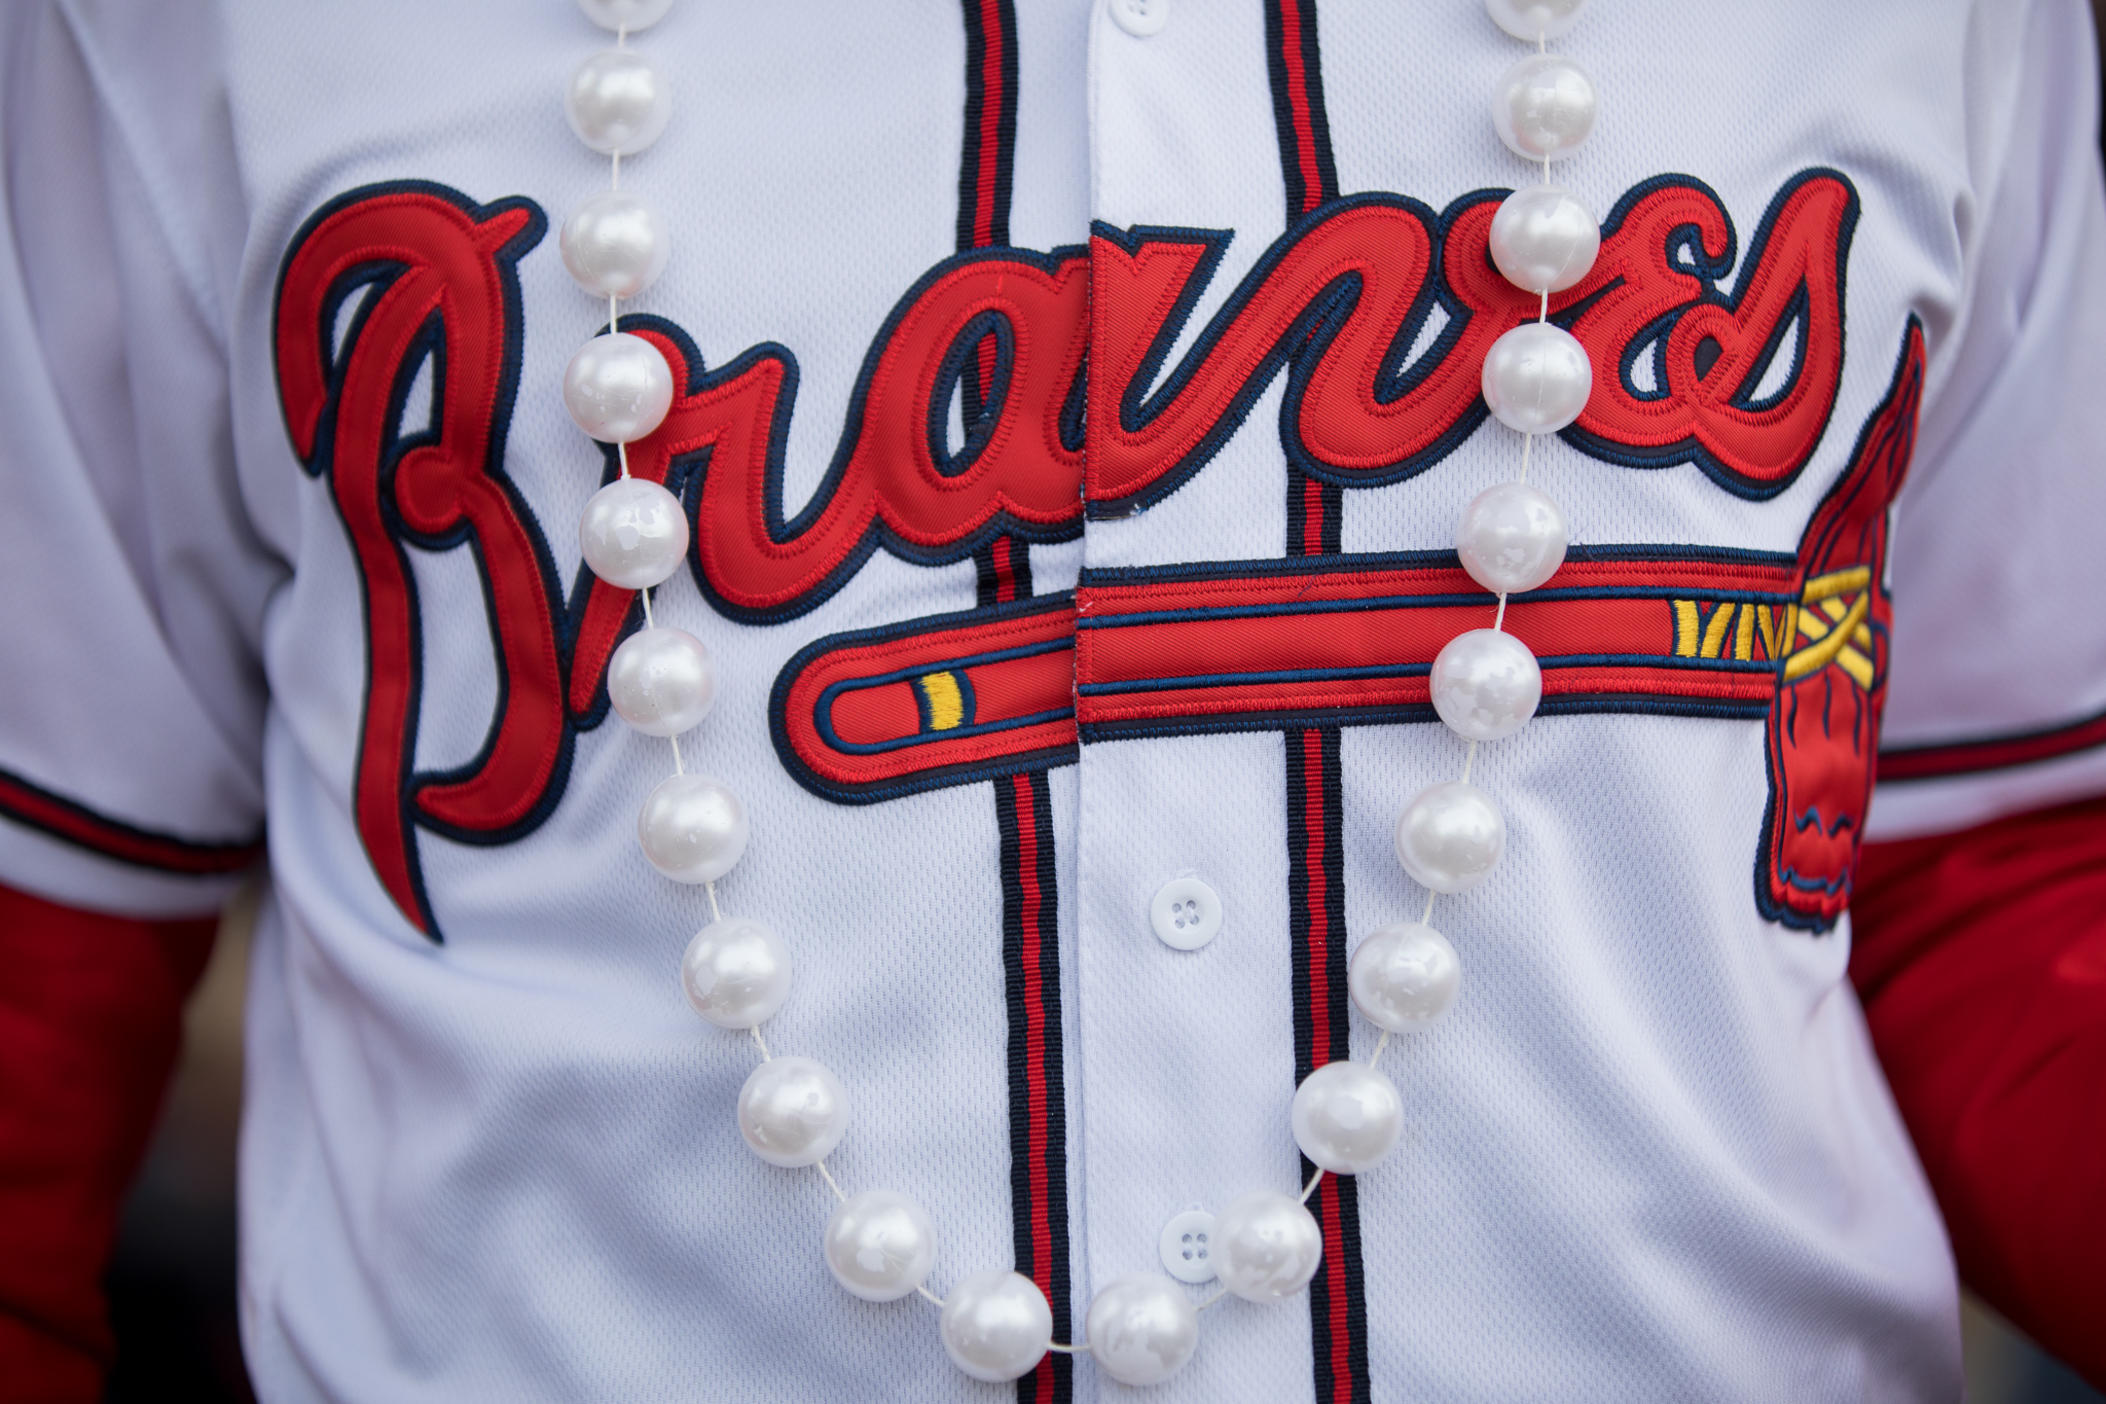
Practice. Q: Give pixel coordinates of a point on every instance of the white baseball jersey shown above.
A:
(1073, 423)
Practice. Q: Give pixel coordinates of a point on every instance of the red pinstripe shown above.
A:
(1298, 96)
(1035, 1062)
(1312, 517)
(1319, 992)
(1319, 895)
(1005, 572)
(992, 39)
(1335, 1275)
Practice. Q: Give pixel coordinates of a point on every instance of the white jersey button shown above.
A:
(1185, 913)
(1187, 1246)
(1140, 17)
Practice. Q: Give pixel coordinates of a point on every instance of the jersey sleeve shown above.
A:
(131, 695)
(1997, 690)
(1976, 956)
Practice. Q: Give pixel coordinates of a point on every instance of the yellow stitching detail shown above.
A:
(1715, 630)
(1685, 628)
(946, 701)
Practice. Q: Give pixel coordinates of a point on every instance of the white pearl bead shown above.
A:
(1537, 378)
(1266, 1246)
(631, 15)
(618, 388)
(618, 101)
(736, 973)
(1543, 239)
(615, 245)
(1535, 19)
(1544, 106)
(662, 681)
(1347, 1117)
(633, 534)
(1142, 1329)
(1404, 977)
(1511, 539)
(996, 1325)
(880, 1245)
(792, 1111)
(692, 828)
(1486, 684)
(1450, 836)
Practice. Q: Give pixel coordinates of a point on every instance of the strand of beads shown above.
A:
(661, 680)
(792, 1111)
(618, 388)
(1485, 683)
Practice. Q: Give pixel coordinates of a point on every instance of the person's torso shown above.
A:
(1043, 562)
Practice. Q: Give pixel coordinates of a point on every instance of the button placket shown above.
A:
(1174, 827)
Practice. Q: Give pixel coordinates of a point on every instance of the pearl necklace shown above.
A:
(996, 1325)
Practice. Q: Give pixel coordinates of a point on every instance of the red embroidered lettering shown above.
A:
(441, 278)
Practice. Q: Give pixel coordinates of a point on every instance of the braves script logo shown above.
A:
(1741, 384)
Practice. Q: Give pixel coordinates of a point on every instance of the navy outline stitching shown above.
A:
(951, 383)
(1300, 347)
(822, 705)
(693, 468)
(1187, 681)
(1307, 339)
(1201, 572)
(968, 700)
(1414, 713)
(1707, 272)
(238, 854)
(429, 344)
(2005, 738)
(963, 773)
